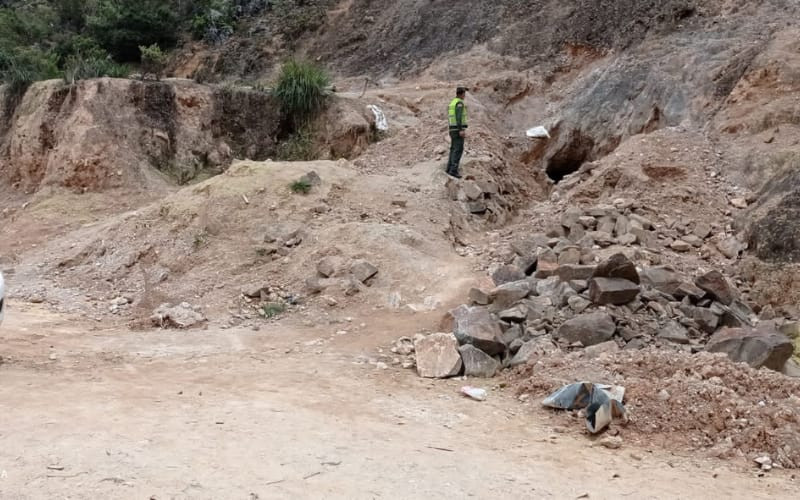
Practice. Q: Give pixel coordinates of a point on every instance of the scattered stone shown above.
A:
(437, 356)
(576, 233)
(254, 291)
(182, 315)
(529, 348)
(315, 285)
(507, 274)
(516, 314)
(569, 255)
(730, 247)
(477, 363)
(693, 240)
(512, 333)
(471, 190)
(702, 230)
(627, 239)
(717, 286)
(311, 178)
(572, 272)
(479, 297)
(675, 333)
(587, 221)
(596, 350)
(643, 221)
(755, 347)
(579, 286)
(477, 327)
(362, 270)
(615, 291)
(765, 462)
(570, 217)
(663, 279)
(588, 329)
(617, 266)
(680, 246)
(740, 203)
(578, 303)
(611, 442)
(329, 266)
(622, 226)
(547, 263)
(477, 207)
(601, 238)
(504, 296)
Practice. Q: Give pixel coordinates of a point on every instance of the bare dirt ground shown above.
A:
(89, 412)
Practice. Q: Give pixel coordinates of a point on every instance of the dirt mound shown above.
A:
(111, 133)
(689, 402)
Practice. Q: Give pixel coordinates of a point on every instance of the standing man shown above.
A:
(457, 116)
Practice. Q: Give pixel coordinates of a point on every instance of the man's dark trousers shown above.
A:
(456, 150)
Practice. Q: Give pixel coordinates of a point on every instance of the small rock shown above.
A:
(437, 356)
(675, 333)
(730, 247)
(578, 303)
(516, 314)
(717, 286)
(740, 203)
(329, 266)
(680, 246)
(505, 296)
(693, 240)
(596, 350)
(362, 270)
(479, 297)
(611, 442)
(507, 274)
(617, 266)
(179, 316)
(702, 230)
(570, 255)
(615, 291)
(572, 272)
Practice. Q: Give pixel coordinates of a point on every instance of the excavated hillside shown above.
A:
(673, 149)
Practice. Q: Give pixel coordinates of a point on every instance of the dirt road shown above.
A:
(94, 413)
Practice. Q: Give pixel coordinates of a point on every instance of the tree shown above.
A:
(122, 26)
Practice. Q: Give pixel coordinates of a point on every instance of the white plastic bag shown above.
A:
(380, 119)
(538, 133)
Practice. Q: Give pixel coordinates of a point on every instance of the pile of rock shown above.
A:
(552, 302)
(349, 275)
(182, 315)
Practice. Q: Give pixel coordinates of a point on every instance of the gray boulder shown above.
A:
(615, 291)
(477, 363)
(479, 328)
(588, 329)
(757, 348)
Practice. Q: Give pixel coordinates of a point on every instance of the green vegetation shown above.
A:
(301, 90)
(272, 309)
(153, 60)
(301, 186)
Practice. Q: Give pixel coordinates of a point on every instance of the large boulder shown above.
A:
(717, 286)
(757, 348)
(477, 363)
(617, 266)
(615, 291)
(437, 356)
(479, 328)
(588, 329)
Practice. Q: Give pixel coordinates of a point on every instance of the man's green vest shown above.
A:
(452, 113)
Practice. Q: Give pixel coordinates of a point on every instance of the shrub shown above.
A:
(272, 309)
(300, 186)
(213, 21)
(122, 26)
(301, 90)
(153, 60)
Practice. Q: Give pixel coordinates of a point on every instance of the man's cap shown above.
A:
(461, 90)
